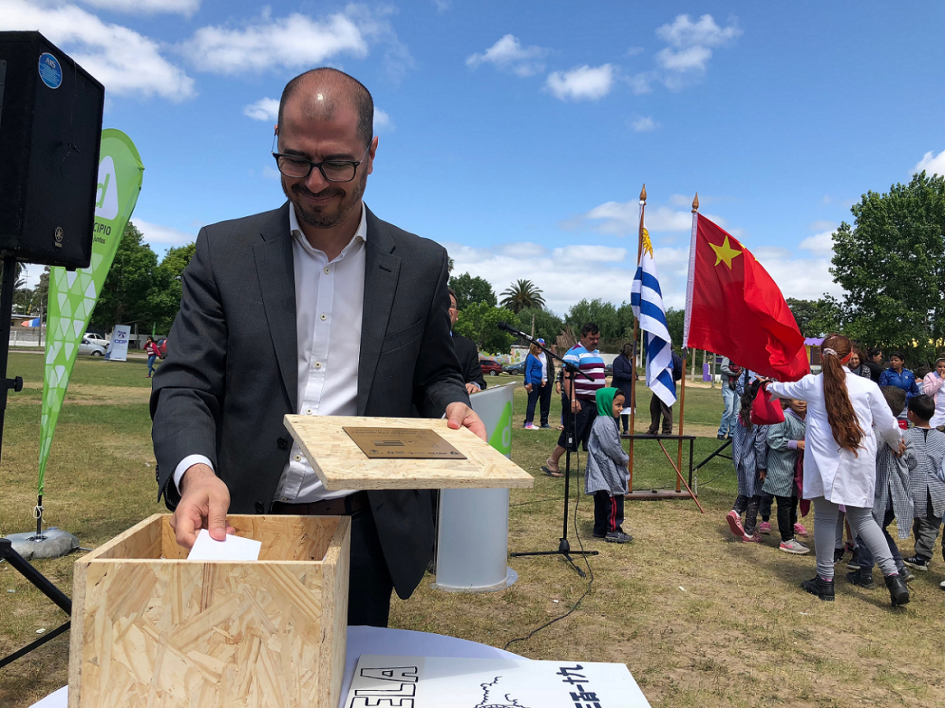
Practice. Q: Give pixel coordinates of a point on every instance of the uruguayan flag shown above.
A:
(647, 303)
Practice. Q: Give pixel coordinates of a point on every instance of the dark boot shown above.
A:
(819, 587)
(898, 592)
(861, 579)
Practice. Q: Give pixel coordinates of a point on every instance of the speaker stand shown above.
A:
(16, 561)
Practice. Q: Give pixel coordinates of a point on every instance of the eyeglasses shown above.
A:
(298, 167)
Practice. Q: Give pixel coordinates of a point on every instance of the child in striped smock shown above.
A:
(749, 454)
(784, 441)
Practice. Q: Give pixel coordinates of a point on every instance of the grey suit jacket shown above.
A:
(231, 371)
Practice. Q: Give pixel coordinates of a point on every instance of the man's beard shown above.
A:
(322, 218)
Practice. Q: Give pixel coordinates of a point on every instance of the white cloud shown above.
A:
(623, 218)
(933, 165)
(442, 5)
(581, 83)
(689, 59)
(819, 244)
(683, 32)
(633, 51)
(163, 236)
(508, 54)
(565, 280)
(382, 121)
(264, 109)
(291, 42)
(126, 62)
(643, 82)
(590, 254)
(143, 7)
(644, 124)
(271, 172)
(686, 58)
(823, 225)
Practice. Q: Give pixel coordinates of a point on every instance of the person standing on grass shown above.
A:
(785, 440)
(840, 460)
(899, 376)
(730, 374)
(581, 391)
(927, 480)
(874, 362)
(150, 348)
(536, 379)
(607, 476)
(750, 455)
(893, 500)
(932, 386)
(624, 374)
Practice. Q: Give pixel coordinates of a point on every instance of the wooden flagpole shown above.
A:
(682, 392)
(636, 329)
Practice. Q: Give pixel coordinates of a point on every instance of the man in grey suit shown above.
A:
(315, 308)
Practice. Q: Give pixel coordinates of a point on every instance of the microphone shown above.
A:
(506, 327)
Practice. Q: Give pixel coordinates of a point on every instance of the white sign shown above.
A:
(438, 682)
(118, 349)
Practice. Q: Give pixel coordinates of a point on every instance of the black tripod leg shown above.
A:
(717, 452)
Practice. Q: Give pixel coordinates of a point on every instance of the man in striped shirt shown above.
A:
(585, 385)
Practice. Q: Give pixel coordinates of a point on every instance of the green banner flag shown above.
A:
(72, 295)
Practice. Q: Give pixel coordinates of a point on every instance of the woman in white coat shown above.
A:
(840, 460)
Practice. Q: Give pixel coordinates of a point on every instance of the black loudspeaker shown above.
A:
(50, 138)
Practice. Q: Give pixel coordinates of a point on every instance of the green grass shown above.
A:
(699, 620)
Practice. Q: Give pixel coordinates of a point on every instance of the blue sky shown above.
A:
(519, 134)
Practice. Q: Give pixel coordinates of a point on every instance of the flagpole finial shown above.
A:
(643, 194)
(695, 203)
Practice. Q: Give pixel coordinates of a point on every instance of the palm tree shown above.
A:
(522, 295)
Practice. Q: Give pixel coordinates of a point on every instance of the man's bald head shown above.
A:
(322, 90)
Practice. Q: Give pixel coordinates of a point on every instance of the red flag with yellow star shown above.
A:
(734, 308)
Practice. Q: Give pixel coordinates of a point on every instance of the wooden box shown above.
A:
(150, 628)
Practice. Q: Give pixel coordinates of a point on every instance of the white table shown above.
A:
(371, 640)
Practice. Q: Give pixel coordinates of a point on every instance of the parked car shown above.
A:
(514, 369)
(96, 338)
(92, 348)
(161, 347)
(489, 366)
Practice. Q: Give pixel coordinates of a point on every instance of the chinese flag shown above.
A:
(735, 308)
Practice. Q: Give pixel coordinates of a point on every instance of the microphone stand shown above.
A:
(564, 547)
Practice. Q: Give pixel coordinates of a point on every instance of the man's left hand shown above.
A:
(472, 388)
(460, 415)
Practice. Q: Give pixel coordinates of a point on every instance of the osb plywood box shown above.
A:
(150, 628)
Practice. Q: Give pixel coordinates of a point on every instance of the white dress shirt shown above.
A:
(329, 301)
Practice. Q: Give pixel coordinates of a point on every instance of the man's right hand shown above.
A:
(528, 387)
(204, 502)
(575, 405)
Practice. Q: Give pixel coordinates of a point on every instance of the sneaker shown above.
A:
(854, 562)
(941, 584)
(838, 556)
(917, 563)
(794, 546)
(799, 530)
(751, 539)
(601, 536)
(618, 537)
(530, 426)
(546, 427)
(819, 587)
(735, 523)
(764, 528)
(861, 580)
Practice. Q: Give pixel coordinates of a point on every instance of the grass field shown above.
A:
(698, 619)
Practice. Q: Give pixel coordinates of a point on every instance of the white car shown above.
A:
(96, 338)
(92, 348)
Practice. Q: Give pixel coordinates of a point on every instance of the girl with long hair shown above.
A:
(840, 460)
